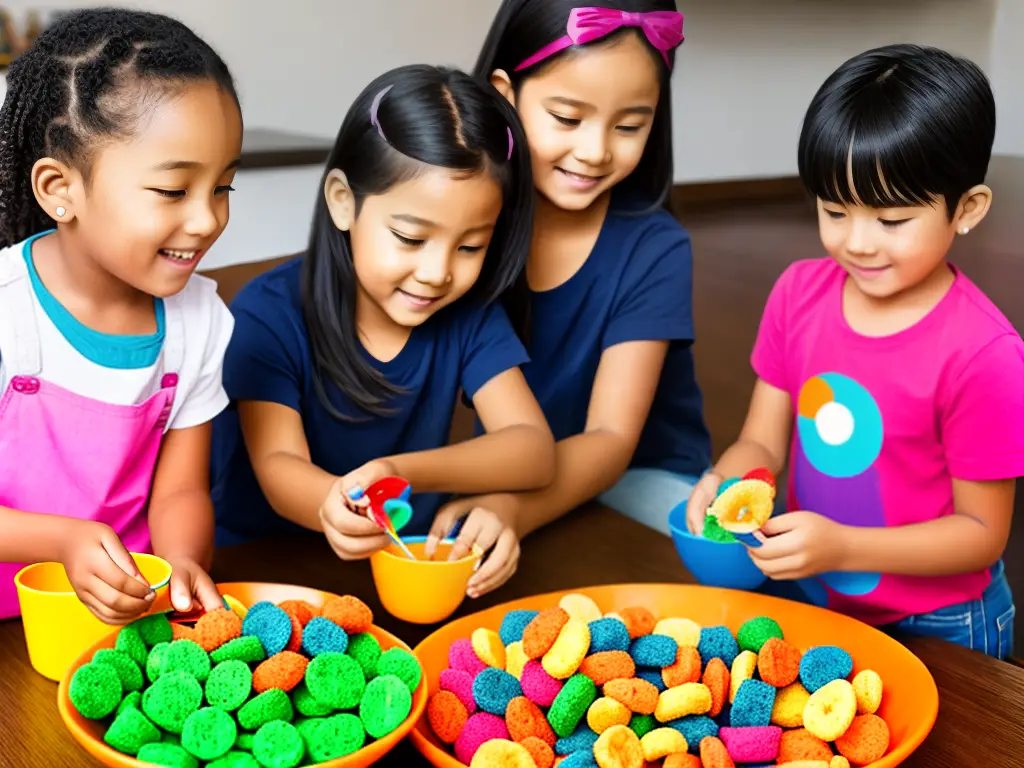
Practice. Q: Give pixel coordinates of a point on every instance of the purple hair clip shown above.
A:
(511, 144)
(373, 111)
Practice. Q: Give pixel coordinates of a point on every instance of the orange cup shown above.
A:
(422, 591)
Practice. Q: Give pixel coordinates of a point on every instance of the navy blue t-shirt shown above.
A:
(636, 285)
(269, 360)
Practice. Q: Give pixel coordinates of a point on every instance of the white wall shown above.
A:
(1007, 72)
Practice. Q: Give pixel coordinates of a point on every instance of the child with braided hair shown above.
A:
(119, 139)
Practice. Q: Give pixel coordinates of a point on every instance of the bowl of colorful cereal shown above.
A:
(285, 677)
(676, 676)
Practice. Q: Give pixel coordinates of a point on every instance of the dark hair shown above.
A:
(523, 27)
(83, 80)
(896, 126)
(432, 117)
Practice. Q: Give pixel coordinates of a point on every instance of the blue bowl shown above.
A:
(713, 563)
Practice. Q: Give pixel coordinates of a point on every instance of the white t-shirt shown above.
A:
(205, 322)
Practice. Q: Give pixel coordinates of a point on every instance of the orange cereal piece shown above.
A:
(447, 715)
(717, 679)
(713, 753)
(216, 628)
(865, 741)
(801, 744)
(300, 609)
(778, 663)
(686, 668)
(524, 719)
(804, 764)
(284, 670)
(348, 612)
(295, 641)
(540, 634)
(618, 747)
(639, 696)
(608, 665)
(682, 760)
(542, 754)
(639, 621)
(182, 632)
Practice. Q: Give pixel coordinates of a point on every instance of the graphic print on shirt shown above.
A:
(840, 431)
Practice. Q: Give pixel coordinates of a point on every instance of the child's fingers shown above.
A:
(349, 523)
(499, 566)
(356, 548)
(206, 592)
(122, 558)
(114, 599)
(442, 527)
(474, 531)
(117, 580)
(181, 591)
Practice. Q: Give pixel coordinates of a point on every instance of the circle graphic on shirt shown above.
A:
(839, 424)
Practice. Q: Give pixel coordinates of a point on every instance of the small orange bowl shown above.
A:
(910, 702)
(89, 733)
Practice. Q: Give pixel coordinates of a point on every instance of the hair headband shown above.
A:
(663, 30)
(375, 107)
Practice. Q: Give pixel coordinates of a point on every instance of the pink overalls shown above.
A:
(64, 454)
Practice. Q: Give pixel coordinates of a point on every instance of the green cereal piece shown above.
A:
(268, 707)
(571, 704)
(756, 632)
(335, 680)
(155, 628)
(95, 690)
(365, 649)
(209, 733)
(332, 737)
(171, 699)
(156, 664)
(245, 741)
(131, 731)
(401, 664)
(130, 642)
(641, 725)
(235, 760)
(279, 745)
(127, 670)
(229, 685)
(713, 531)
(188, 656)
(306, 705)
(169, 755)
(385, 704)
(133, 699)
(248, 649)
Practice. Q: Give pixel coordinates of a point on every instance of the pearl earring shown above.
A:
(61, 210)
(965, 230)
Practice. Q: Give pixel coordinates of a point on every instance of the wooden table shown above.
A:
(981, 713)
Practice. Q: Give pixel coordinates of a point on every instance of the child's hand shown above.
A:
(800, 544)
(490, 523)
(351, 534)
(191, 584)
(103, 574)
(704, 492)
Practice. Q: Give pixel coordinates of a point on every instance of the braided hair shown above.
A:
(90, 76)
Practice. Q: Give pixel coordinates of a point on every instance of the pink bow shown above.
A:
(663, 30)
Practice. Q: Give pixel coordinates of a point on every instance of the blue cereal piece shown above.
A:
(323, 636)
(718, 643)
(271, 625)
(512, 626)
(821, 665)
(608, 635)
(582, 759)
(694, 728)
(652, 676)
(654, 651)
(752, 707)
(493, 689)
(582, 740)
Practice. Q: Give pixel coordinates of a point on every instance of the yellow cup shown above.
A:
(58, 626)
(422, 591)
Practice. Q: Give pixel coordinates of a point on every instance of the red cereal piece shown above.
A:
(216, 628)
(609, 665)
(447, 716)
(778, 663)
(295, 641)
(525, 719)
(542, 754)
(717, 678)
(300, 609)
(542, 631)
(284, 670)
(682, 760)
(639, 696)
(801, 744)
(865, 741)
(713, 753)
(686, 668)
(182, 632)
(638, 620)
(763, 474)
(348, 612)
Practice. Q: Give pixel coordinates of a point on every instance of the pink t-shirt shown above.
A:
(882, 425)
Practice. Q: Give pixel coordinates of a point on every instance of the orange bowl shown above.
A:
(910, 703)
(89, 733)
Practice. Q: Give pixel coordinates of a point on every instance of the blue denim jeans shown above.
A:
(648, 495)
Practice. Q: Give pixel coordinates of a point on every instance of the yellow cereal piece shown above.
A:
(743, 669)
(619, 747)
(868, 687)
(790, 702)
(662, 742)
(488, 647)
(683, 700)
(830, 710)
(569, 650)
(502, 753)
(236, 606)
(683, 631)
(580, 606)
(839, 761)
(515, 659)
(606, 712)
(803, 764)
